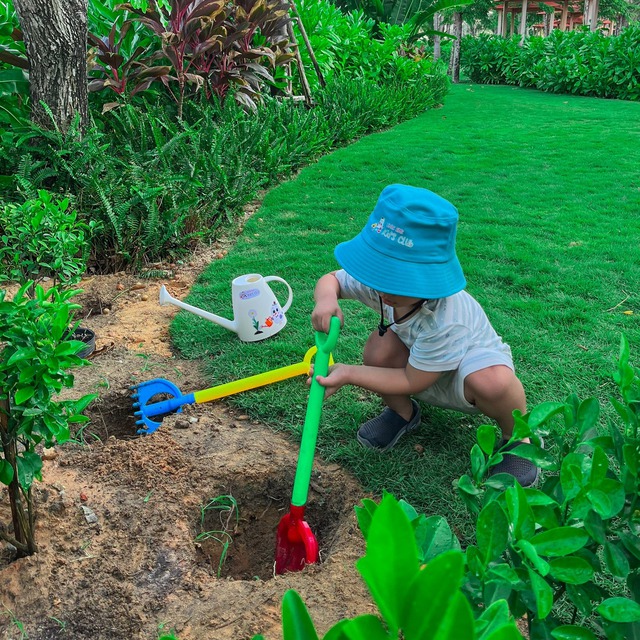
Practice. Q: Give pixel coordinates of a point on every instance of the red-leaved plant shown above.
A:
(212, 45)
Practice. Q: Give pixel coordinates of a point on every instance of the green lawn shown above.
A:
(548, 191)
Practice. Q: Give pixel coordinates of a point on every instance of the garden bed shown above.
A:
(118, 516)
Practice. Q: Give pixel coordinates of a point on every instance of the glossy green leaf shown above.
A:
(465, 485)
(391, 563)
(492, 532)
(570, 569)
(433, 537)
(560, 542)
(542, 458)
(530, 553)
(572, 476)
(599, 466)
(615, 560)
(543, 412)
(504, 571)
(543, 594)
(29, 468)
(486, 436)
(520, 514)
(595, 527)
(492, 618)
(23, 394)
(6, 472)
(631, 543)
(572, 632)
(535, 497)
(608, 499)
(619, 610)
(588, 413)
(580, 598)
(478, 463)
(495, 591)
(364, 514)
(434, 602)
(630, 455)
(296, 622)
(507, 632)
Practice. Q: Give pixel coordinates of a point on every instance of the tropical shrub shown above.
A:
(43, 237)
(578, 62)
(415, 601)
(210, 46)
(345, 44)
(567, 554)
(34, 364)
(156, 185)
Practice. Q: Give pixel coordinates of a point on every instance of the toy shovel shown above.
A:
(296, 546)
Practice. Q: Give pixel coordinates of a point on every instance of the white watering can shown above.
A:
(257, 314)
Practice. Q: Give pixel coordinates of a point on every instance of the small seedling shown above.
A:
(227, 507)
(62, 623)
(17, 624)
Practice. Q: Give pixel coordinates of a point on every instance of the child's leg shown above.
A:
(496, 392)
(402, 414)
(389, 351)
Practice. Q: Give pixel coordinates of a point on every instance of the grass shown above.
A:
(549, 198)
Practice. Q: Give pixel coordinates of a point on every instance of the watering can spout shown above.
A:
(166, 298)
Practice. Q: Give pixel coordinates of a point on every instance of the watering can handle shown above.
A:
(287, 304)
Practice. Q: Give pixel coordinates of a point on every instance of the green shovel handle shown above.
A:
(326, 344)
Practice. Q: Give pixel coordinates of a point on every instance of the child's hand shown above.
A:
(323, 312)
(337, 378)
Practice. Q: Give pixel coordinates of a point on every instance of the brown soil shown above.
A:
(126, 548)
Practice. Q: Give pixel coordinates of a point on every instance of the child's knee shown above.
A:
(494, 384)
(385, 351)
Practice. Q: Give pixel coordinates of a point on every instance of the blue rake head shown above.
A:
(145, 391)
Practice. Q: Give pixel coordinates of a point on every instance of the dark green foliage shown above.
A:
(34, 369)
(354, 45)
(14, 84)
(42, 237)
(574, 543)
(578, 62)
(156, 184)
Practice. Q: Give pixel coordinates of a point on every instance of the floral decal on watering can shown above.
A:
(253, 314)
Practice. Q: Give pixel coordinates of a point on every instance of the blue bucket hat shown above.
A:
(407, 247)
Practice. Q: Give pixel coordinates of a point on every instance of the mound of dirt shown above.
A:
(173, 530)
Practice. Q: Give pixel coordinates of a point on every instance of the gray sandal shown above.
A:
(383, 431)
(524, 471)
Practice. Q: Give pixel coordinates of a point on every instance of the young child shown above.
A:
(434, 341)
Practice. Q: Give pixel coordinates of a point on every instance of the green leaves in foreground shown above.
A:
(422, 602)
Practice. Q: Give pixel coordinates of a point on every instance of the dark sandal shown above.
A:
(524, 471)
(383, 431)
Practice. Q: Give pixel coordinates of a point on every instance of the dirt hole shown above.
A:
(236, 526)
(110, 415)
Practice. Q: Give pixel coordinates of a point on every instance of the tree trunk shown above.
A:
(23, 531)
(55, 34)
(454, 63)
(437, 51)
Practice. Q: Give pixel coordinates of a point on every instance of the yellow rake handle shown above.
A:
(259, 380)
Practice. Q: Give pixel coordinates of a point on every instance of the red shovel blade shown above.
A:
(296, 546)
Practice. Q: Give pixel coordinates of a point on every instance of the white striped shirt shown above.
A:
(441, 333)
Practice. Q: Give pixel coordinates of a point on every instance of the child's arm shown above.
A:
(380, 380)
(327, 294)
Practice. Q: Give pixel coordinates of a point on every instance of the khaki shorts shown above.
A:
(448, 391)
